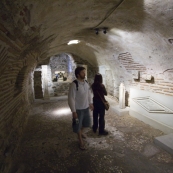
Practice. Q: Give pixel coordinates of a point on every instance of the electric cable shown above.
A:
(109, 14)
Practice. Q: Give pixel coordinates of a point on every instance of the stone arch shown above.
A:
(20, 81)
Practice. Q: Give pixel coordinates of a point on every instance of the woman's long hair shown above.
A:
(98, 78)
(97, 81)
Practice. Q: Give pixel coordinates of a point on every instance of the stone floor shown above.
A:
(50, 146)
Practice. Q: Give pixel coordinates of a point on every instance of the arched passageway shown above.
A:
(127, 41)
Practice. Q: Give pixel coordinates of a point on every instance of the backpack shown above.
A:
(76, 82)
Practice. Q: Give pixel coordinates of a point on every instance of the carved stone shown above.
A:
(122, 96)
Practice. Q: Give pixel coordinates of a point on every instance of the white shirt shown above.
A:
(81, 98)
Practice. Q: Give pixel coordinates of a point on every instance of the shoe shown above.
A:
(82, 147)
(84, 136)
(94, 130)
(103, 133)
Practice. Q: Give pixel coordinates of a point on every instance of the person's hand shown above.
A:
(91, 107)
(74, 115)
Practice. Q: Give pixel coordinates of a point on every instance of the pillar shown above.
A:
(45, 82)
(122, 96)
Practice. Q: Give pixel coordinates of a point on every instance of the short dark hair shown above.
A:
(98, 78)
(78, 70)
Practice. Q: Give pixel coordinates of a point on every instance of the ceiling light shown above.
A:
(104, 30)
(97, 31)
(73, 42)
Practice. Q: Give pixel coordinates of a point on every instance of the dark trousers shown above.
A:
(98, 116)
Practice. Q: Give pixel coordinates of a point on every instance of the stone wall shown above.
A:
(59, 89)
(16, 93)
(26, 39)
(62, 62)
(67, 63)
(133, 76)
(91, 70)
(17, 62)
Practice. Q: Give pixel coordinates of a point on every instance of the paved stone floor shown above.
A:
(50, 146)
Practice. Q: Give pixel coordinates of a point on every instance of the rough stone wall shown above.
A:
(16, 94)
(67, 63)
(108, 82)
(91, 70)
(161, 82)
(17, 62)
(59, 89)
(160, 85)
(21, 47)
(59, 62)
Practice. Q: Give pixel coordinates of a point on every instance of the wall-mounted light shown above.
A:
(170, 41)
(97, 31)
(104, 30)
(100, 29)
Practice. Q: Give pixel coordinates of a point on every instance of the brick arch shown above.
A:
(20, 81)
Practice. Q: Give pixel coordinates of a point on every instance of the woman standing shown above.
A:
(99, 90)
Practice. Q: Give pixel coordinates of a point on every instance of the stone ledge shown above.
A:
(157, 125)
(120, 112)
(165, 142)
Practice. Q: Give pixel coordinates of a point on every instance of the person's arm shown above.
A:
(104, 90)
(71, 99)
(90, 98)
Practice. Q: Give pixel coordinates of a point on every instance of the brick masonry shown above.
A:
(22, 45)
(16, 95)
(161, 82)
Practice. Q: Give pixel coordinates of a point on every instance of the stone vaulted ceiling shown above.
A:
(140, 27)
(137, 50)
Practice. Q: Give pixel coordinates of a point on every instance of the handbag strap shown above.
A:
(100, 97)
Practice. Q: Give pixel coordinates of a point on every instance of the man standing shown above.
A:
(79, 100)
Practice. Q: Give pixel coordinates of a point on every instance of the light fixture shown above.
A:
(104, 30)
(170, 41)
(73, 42)
(100, 29)
(97, 31)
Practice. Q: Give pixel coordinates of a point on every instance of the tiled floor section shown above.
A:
(50, 146)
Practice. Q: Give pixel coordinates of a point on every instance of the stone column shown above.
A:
(122, 96)
(45, 82)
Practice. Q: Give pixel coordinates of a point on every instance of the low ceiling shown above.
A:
(140, 27)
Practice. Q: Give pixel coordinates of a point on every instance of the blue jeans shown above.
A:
(98, 116)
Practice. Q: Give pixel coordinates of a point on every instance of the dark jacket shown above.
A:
(98, 88)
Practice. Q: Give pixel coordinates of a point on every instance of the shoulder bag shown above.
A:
(106, 103)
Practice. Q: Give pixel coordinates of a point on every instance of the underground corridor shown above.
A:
(129, 42)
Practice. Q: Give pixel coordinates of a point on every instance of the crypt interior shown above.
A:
(129, 42)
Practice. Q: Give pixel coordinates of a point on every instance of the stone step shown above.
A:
(165, 142)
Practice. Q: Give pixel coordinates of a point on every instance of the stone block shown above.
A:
(121, 112)
(165, 142)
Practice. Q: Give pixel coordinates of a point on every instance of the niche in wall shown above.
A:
(60, 66)
(60, 76)
(61, 73)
